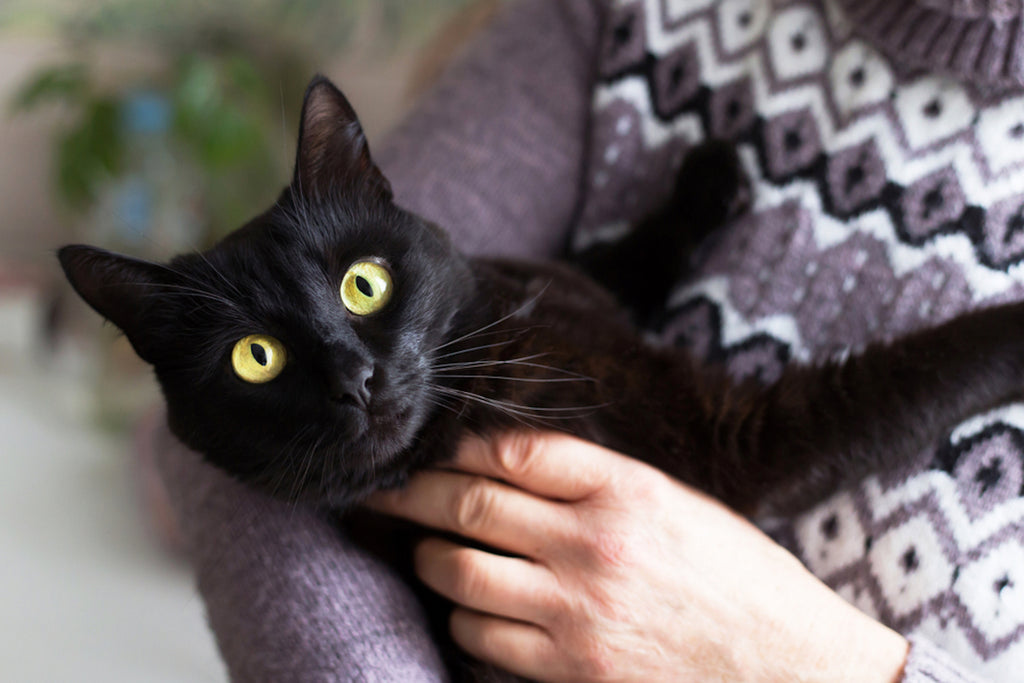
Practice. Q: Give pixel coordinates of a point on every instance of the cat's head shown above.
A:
(295, 353)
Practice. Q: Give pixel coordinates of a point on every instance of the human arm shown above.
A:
(495, 151)
(624, 574)
(288, 597)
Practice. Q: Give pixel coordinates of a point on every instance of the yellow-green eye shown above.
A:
(258, 358)
(366, 288)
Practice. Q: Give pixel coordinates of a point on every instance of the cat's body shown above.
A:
(363, 400)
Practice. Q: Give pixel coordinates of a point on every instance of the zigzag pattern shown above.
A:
(704, 308)
(917, 555)
(940, 553)
(694, 67)
(786, 81)
(881, 202)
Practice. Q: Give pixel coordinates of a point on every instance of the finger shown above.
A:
(523, 649)
(482, 509)
(550, 464)
(502, 586)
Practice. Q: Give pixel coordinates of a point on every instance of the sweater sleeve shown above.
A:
(288, 597)
(493, 153)
(926, 663)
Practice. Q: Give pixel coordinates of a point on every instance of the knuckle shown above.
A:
(473, 506)
(469, 581)
(516, 452)
(644, 484)
(595, 661)
(552, 602)
(612, 548)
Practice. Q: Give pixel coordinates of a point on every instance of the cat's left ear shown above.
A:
(121, 289)
(333, 151)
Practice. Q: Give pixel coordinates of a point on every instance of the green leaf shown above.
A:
(68, 83)
(89, 153)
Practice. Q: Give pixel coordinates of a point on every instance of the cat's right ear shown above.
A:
(333, 151)
(117, 287)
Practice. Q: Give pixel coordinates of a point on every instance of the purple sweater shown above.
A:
(885, 197)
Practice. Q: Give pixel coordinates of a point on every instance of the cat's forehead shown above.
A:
(294, 262)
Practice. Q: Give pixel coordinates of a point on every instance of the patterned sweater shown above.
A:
(885, 141)
(885, 198)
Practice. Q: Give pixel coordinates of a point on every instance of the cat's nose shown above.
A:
(353, 386)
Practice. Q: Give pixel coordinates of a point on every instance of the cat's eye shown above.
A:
(366, 288)
(258, 358)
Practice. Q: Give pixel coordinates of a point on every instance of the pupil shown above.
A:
(363, 286)
(259, 353)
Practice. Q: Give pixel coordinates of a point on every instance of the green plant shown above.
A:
(219, 101)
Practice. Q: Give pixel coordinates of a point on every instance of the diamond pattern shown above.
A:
(994, 587)
(1003, 240)
(1001, 134)
(908, 562)
(931, 204)
(623, 44)
(860, 78)
(797, 43)
(932, 109)
(831, 536)
(855, 176)
(792, 142)
(676, 79)
(741, 23)
(882, 201)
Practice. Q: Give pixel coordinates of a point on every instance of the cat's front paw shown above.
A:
(711, 186)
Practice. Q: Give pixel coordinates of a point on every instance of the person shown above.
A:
(885, 144)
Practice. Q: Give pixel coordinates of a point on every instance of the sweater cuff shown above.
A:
(926, 663)
(962, 40)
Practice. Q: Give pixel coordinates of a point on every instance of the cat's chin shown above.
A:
(401, 423)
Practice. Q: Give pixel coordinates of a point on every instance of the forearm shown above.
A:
(287, 596)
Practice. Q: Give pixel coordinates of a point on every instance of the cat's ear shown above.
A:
(118, 287)
(333, 150)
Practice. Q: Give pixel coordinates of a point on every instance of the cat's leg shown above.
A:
(820, 426)
(641, 268)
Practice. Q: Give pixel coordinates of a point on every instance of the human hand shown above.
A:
(622, 573)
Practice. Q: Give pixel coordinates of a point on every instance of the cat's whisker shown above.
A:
(443, 369)
(326, 474)
(558, 412)
(489, 362)
(478, 348)
(231, 286)
(191, 291)
(287, 453)
(188, 277)
(443, 401)
(524, 306)
(542, 380)
(306, 470)
(553, 369)
(518, 416)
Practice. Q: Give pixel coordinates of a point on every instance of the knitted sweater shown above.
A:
(886, 197)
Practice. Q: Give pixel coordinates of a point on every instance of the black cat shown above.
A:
(336, 344)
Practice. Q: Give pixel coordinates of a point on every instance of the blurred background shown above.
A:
(148, 127)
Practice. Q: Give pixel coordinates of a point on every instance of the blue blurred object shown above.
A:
(134, 210)
(146, 112)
